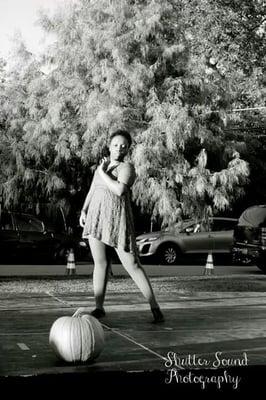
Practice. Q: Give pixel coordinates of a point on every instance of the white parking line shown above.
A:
(23, 346)
(57, 298)
(125, 336)
(130, 339)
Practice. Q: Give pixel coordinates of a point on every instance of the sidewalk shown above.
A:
(211, 334)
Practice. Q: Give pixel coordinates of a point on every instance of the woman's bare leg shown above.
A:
(102, 262)
(138, 274)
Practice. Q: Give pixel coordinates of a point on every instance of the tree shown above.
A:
(32, 121)
(4, 154)
(169, 72)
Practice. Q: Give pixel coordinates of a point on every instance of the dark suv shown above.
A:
(250, 237)
(25, 237)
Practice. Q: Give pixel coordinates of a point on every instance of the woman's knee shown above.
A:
(135, 267)
(99, 252)
(132, 264)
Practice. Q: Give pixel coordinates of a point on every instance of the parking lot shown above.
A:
(199, 325)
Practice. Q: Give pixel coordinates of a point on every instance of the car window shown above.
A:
(27, 223)
(181, 226)
(203, 226)
(223, 225)
(186, 226)
(6, 222)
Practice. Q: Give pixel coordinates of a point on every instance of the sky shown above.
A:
(21, 15)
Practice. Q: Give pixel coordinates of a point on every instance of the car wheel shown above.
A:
(168, 254)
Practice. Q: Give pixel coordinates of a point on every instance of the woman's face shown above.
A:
(118, 148)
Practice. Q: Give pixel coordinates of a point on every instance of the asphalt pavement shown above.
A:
(85, 268)
(214, 342)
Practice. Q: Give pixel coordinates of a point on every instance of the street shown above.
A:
(205, 316)
(83, 268)
(199, 326)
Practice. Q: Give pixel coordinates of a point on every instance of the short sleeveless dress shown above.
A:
(109, 216)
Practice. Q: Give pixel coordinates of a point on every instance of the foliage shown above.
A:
(169, 71)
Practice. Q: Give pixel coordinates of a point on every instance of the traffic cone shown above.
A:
(209, 268)
(71, 266)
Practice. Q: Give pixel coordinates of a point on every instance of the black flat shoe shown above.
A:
(98, 313)
(157, 315)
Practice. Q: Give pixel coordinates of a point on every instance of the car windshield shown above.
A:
(214, 224)
(253, 216)
(181, 226)
(29, 223)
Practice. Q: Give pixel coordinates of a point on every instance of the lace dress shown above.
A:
(109, 216)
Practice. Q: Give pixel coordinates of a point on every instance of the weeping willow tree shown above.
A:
(39, 131)
(168, 71)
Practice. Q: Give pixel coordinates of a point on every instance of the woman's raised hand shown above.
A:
(104, 164)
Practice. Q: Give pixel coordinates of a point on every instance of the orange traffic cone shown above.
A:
(209, 268)
(71, 266)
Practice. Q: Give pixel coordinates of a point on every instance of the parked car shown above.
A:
(250, 237)
(24, 236)
(189, 238)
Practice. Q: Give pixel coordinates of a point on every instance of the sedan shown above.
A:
(25, 236)
(188, 238)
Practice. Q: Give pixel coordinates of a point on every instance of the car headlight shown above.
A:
(146, 240)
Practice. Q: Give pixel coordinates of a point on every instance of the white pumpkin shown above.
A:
(75, 339)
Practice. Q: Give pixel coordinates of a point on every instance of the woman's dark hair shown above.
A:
(124, 133)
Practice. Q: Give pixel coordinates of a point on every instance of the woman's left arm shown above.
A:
(126, 176)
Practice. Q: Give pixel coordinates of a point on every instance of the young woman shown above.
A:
(107, 220)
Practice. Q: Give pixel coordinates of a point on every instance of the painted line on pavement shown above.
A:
(57, 298)
(130, 339)
(23, 346)
(125, 336)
